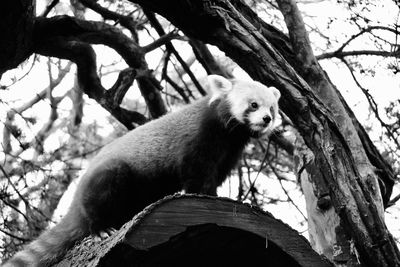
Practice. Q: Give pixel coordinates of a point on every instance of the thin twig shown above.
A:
(372, 104)
(49, 8)
(23, 239)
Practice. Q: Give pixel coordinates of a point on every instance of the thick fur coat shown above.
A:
(193, 149)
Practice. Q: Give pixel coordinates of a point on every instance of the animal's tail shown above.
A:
(53, 244)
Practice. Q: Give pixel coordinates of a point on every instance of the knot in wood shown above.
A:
(324, 202)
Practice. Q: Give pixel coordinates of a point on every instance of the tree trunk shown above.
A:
(178, 231)
(326, 232)
(311, 102)
(16, 29)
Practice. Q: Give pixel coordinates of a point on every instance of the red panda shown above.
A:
(192, 149)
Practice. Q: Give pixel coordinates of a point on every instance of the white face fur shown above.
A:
(251, 102)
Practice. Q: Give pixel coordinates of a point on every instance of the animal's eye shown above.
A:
(254, 105)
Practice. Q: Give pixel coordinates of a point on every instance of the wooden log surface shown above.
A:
(179, 218)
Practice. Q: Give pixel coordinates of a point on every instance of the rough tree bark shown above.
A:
(178, 231)
(309, 99)
(16, 29)
(326, 229)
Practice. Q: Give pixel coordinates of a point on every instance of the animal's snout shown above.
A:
(267, 119)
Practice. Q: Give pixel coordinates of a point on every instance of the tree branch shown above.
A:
(128, 49)
(310, 70)
(126, 21)
(177, 88)
(297, 32)
(289, 198)
(49, 8)
(44, 132)
(283, 143)
(84, 57)
(92, 32)
(157, 26)
(77, 32)
(341, 54)
(8, 124)
(373, 105)
(206, 59)
(366, 30)
(394, 200)
(163, 40)
(14, 236)
(76, 96)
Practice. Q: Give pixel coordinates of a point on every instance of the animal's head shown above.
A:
(250, 103)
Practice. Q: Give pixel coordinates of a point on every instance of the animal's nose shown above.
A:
(267, 119)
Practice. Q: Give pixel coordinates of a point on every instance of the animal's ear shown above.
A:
(218, 85)
(276, 93)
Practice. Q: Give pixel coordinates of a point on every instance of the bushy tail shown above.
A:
(53, 244)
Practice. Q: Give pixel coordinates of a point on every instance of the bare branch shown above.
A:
(394, 200)
(341, 54)
(92, 32)
(83, 55)
(283, 143)
(7, 203)
(206, 59)
(157, 26)
(179, 71)
(177, 88)
(49, 8)
(16, 191)
(162, 41)
(373, 105)
(77, 104)
(310, 70)
(8, 124)
(366, 30)
(74, 33)
(297, 32)
(126, 21)
(14, 236)
(290, 199)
